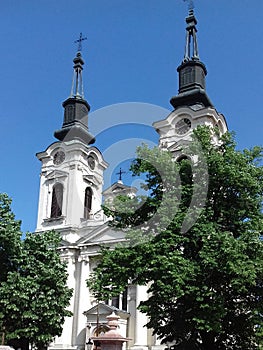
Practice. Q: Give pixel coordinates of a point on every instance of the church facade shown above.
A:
(71, 192)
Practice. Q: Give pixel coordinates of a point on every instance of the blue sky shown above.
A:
(131, 55)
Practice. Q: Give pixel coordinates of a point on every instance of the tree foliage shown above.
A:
(33, 289)
(9, 237)
(201, 254)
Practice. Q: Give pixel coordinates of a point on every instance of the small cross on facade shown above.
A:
(120, 174)
(79, 41)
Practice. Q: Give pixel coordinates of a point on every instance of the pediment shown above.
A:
(65, 244)
(178, 146)
(56, 174)
(105, 310)
(91, 180)
(119, 187)
(102, 235)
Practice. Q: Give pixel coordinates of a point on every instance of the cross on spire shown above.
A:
(190, 4)
(120, 174)
(79, 41)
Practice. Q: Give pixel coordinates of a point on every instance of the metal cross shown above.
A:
(79, 41)
(190, 4)
(120, 174)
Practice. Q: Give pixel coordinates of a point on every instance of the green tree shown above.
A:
(33, 292)
(9, 244)
(10, 235)
(196, 242)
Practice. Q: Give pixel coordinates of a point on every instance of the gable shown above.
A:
(101, 235)
(105, 310)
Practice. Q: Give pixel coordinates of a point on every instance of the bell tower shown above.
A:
(192, 106)
(72, 170)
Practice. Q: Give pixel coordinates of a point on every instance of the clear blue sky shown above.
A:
(131, 55)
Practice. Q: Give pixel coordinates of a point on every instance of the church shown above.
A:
(71, 194)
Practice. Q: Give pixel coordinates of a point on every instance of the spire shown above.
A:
(77, 82)
(191, 37)
(192, 71)
(76, 108)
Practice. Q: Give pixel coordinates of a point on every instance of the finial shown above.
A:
(120, 174)
(79, 41)
(190, 5)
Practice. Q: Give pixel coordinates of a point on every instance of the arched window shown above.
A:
(87, 202)
(182, 157)
(57, 198)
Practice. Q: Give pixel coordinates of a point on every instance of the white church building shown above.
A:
(71, 192)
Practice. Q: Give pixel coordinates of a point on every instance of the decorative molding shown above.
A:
(54, 221)
(92, 180)
(56, 174)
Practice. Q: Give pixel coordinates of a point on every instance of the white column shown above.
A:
(140, 341)
(132, 311)
(84, 296)
(66, 337)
